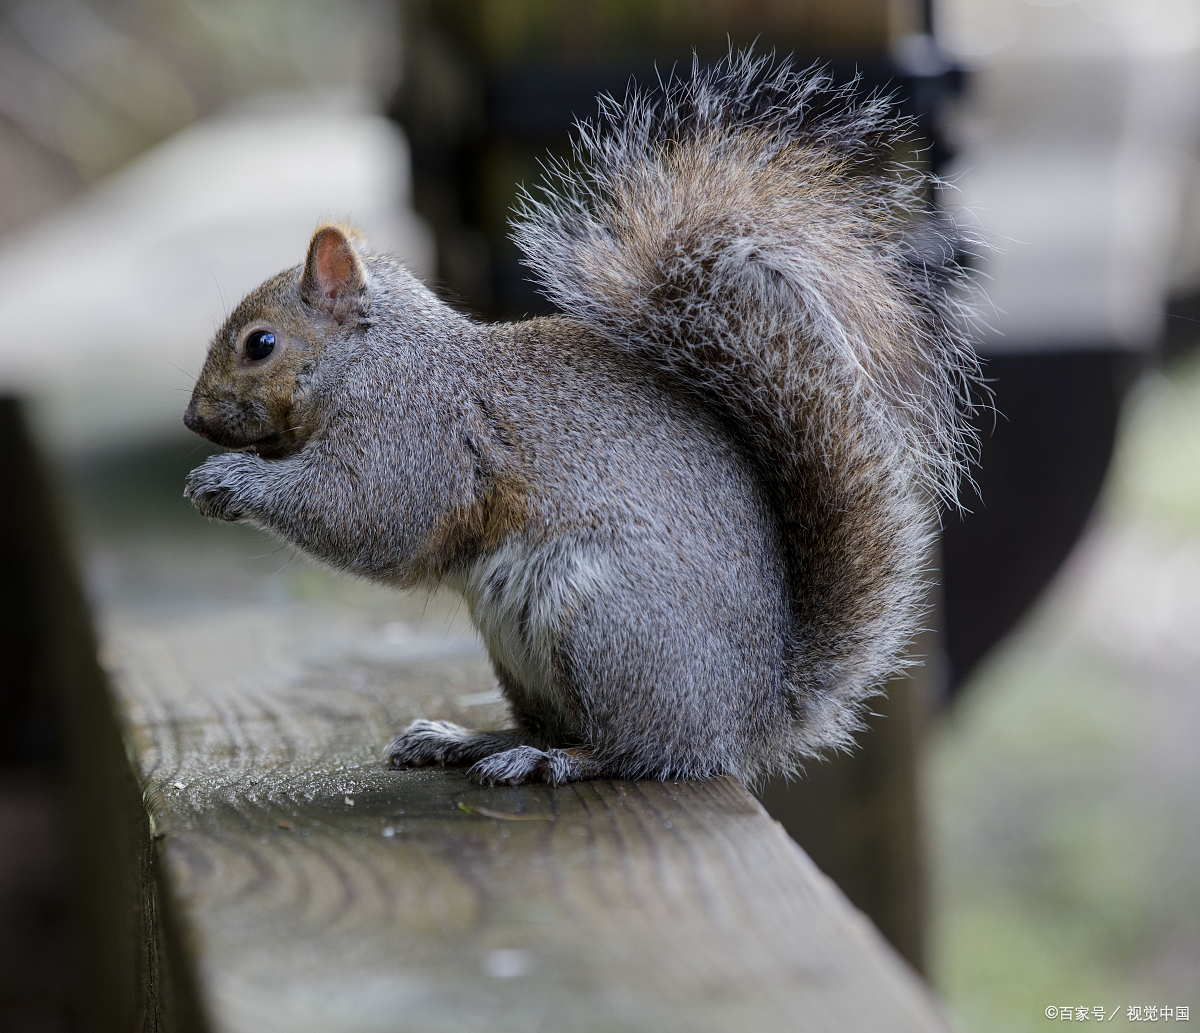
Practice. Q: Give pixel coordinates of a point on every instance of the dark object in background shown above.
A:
(482, 108)
(40, 936)
(1044, 451)
(78, 896)
(29, 722)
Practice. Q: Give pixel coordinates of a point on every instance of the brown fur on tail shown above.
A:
(746, 232)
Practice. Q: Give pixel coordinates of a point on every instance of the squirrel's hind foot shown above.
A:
(529, 764)
(496, 757)
(443, 742)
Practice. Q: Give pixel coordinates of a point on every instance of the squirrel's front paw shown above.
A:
(222, 487)
(428, 742)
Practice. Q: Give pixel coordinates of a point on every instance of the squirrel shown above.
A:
(690, 514)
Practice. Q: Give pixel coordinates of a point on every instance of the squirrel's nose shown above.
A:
(192, 421)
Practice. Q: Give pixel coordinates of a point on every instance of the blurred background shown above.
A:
(1023, 820)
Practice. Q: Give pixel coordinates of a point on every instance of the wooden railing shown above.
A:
(252, 866)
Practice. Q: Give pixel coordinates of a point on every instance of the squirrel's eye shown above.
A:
(259, 345)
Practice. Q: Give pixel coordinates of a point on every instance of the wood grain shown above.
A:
(320, 891)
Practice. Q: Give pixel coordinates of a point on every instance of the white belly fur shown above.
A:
(521, 596)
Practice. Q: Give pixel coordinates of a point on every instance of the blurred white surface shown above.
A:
(118, 293)
(1077, 157)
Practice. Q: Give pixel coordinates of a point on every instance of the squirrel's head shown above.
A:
(253, 392)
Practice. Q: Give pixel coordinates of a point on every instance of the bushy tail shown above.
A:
(748, 231)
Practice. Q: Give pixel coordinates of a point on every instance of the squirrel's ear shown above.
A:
(334, 274)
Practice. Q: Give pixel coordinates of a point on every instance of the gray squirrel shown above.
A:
(689, 515)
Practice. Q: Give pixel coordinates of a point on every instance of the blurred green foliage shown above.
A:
(1065, 788)
(1156, 476)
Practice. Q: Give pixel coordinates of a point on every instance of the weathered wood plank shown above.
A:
(317, 890)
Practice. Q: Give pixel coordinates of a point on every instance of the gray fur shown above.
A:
(689, 516)
(526, 763)
(443, 742)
